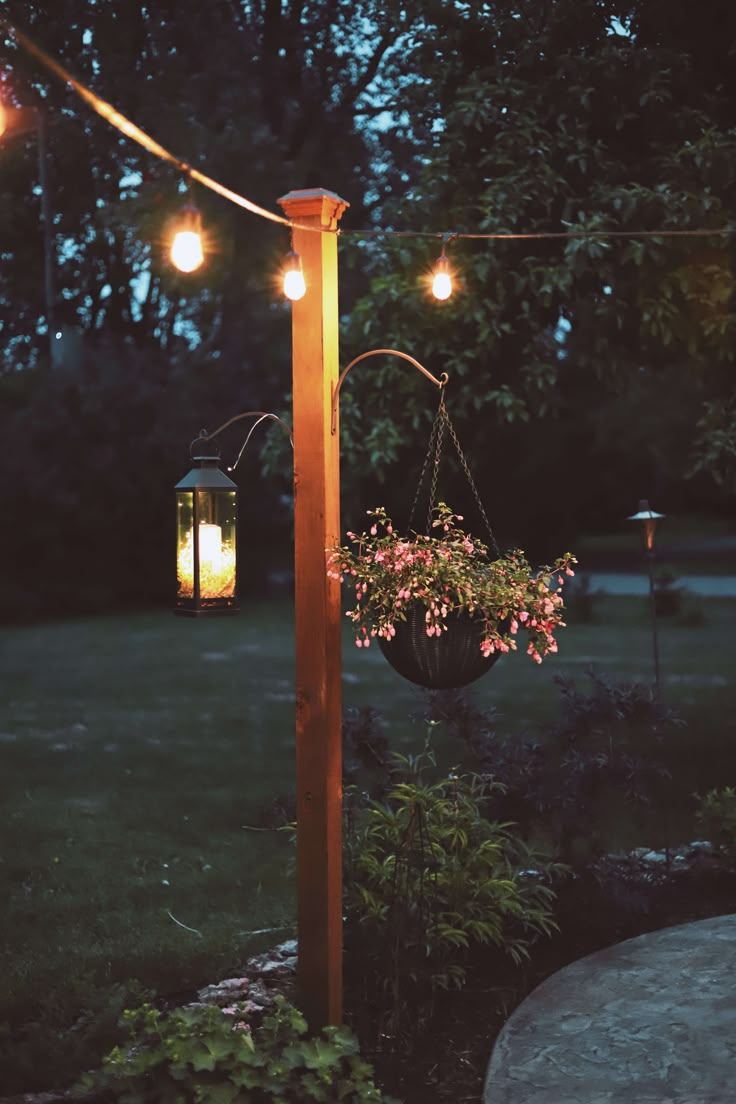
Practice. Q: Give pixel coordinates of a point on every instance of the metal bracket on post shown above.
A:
(376, 352)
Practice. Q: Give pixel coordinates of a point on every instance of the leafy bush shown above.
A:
(203, 1054)
(716, 814)
(606, 742)
(429, 880)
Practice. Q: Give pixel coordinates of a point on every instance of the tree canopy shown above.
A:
(447, 118)
(546, 120)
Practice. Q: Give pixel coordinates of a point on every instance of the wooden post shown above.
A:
(317, 611)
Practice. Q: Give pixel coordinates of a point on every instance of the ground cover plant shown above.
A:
(204, 1054)
(138, 756)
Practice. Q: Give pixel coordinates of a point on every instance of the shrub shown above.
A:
(429, 880)
(606, 742)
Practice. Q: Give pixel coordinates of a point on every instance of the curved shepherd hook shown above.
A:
(376, 352)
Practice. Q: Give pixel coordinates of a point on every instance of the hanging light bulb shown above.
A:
(3, 119)
(187, 253)
(442, 278)
(294, 284)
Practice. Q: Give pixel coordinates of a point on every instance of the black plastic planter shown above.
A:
(445, 662)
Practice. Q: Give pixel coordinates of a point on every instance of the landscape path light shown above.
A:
(647, 519)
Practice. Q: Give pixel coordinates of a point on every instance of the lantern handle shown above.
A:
(375, 352)
(260, 415)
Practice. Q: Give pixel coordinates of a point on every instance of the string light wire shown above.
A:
(125, 126)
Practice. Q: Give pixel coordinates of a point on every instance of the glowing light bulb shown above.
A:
(186, 250)
(294, 284)
(3, 119)
(442, 279)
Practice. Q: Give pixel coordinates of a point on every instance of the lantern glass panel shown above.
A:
(216, 519)
(184, 549)
(206, 578)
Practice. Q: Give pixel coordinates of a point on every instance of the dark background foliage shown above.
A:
(584, 373)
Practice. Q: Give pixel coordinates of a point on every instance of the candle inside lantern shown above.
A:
(216, 564)
(210, 548)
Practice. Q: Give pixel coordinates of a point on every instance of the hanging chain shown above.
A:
(431, 455)
(442, 420)
(474, 489)
(434, 455)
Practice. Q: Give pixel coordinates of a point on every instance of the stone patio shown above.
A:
(651, 1020)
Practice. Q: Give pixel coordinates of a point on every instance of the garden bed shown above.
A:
(614, 902)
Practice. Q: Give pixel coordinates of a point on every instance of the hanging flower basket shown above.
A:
(413, 593)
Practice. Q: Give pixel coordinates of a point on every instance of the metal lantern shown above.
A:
(206, 505)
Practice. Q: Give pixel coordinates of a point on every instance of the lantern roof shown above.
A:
(206, 476)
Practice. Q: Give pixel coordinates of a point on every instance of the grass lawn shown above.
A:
(138, 752)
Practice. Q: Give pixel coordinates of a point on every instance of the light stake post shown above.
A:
(315, 360)
(647, 519)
